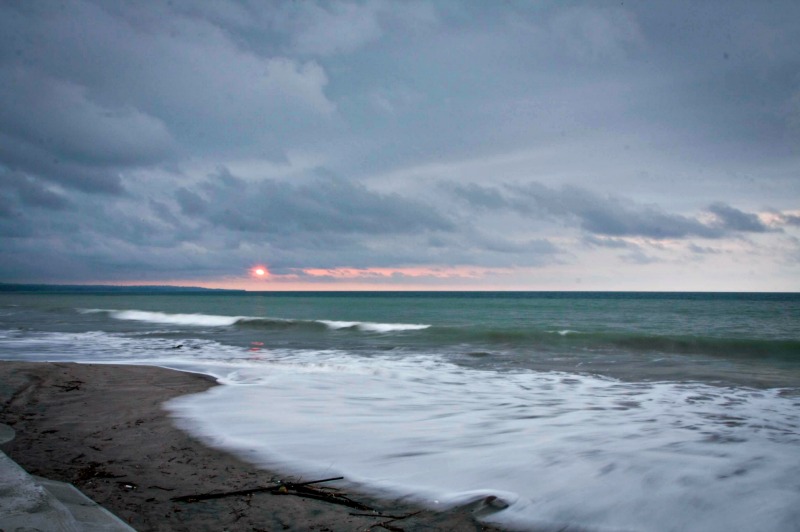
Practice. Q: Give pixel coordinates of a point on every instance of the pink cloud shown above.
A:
(437, 272)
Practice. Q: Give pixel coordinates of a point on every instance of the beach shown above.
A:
(592, 411)
(102, 427)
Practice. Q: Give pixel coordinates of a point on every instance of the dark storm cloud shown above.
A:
(322, 205)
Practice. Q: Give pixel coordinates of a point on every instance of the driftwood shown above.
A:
(301, 489)
(70, 386)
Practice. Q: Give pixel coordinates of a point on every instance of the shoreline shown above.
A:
(102, 427)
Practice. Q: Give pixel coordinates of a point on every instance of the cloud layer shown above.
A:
(407, 144)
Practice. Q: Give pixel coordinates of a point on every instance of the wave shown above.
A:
(522, 338)
(210, 320)
(564, 332)
(445, 434)
(643, 342)
(373, 327)
(202, 320)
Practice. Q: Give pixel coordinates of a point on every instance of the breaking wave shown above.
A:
(210, 320)
(525, 337)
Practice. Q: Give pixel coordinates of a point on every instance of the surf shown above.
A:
(210, 320)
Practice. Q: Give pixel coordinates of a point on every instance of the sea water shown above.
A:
(599, 411)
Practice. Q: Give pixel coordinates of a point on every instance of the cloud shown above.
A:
(59, 118)
(791, 219)
(703, 250)
(337, 27)
(614, 243)
(321, 205)
(120, 86)
(637, 256)
(191, 204)
(383, 136)
(608, 216)
(32, 192)
(27, 158)
(50, 129)
(612, 216)
(776, 220)
(732, 219)
(477, 196)
(594, 34)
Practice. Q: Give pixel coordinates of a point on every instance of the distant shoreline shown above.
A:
(32, 288)
(114, 289)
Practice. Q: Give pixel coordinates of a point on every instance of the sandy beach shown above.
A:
(102, 428)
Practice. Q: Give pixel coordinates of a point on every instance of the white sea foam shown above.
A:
(202, 320)
(577, 450)
(563, 449)
(98, 346)
(210, 320)
(565, 332)
(373, 327)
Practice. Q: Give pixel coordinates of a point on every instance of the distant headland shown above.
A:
(114, 289)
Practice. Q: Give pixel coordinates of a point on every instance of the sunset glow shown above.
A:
(259, 271)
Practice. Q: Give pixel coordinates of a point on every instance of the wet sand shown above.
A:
(102, 428)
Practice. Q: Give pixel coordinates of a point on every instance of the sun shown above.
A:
(259, 271)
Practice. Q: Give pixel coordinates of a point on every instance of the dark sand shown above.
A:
(102, 428)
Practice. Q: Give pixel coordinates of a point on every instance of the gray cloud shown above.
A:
(733, 219)
(126, 88)
(790, 219)
(603, 215)
(703, 250)
(637, 256)
(498, 135)
(614, 243)
(58, 117)
(26, 158)
(322, 205)
(33, 193)
(613, 216)
(7, 207)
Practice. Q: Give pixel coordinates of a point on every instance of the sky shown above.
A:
(401, 145)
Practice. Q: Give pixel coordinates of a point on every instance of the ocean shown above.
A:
(599, 411)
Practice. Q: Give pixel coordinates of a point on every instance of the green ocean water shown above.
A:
(582, 411)
(738, 338)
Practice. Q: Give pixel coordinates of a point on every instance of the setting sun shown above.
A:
(259, 271)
